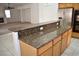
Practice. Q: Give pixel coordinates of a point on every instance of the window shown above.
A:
(7, 13)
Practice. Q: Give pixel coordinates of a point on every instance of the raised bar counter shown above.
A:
(37, 38)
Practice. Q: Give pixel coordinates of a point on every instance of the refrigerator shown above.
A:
(66, 16)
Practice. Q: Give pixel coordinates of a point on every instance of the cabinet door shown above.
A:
(64, 42)
(69, 37)
(27, 50)
(48, 52)
(56, 49)
(44, 48)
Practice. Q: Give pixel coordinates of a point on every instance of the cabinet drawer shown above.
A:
(44, 48)
(47, 52)
(56, 40)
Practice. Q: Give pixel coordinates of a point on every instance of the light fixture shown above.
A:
(8, 12)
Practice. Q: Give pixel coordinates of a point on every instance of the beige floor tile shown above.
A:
(73, 49)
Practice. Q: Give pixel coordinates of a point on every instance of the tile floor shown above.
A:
(73, 49)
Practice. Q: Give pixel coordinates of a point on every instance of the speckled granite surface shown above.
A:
(37, 38)
(28, 26)
(17, 26)
(31, 33)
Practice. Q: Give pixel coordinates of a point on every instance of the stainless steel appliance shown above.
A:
(66, 16)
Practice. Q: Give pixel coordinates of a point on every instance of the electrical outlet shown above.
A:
(41, 28)
(57, 23)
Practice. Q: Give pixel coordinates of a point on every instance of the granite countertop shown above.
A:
(40, 38)
(17, 26)
(28, 26)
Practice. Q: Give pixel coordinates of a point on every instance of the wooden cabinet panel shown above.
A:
(64, 42)
(76, 6)
(69, 37)
(63, 46)
(48, 52)
(44, 48)
(56, 49)
(65, 5)
(64, 35)
(75, 34)
(56, 40)
(57, 46)
(27, 50)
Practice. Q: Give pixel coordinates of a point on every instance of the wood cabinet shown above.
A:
(68, 5)
(65, 5)
(76, 6)
(63, 42)
(57, 46)
(69, 37)
(44, 48)
(48, 52)
(56, 49)
(53, 48)
(27, 50)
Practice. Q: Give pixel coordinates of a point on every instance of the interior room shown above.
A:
(39, 29)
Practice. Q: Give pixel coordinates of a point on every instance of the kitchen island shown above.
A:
(45, 40)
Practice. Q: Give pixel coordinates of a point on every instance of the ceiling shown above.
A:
(12, 4)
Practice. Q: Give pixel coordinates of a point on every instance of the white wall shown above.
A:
(26, 5)
(48, 12)
(29, 13)
(25, 12)
(26, 15)
(1, 12)
(20, 14)
(15, 16)
(35, 13)
(44, 12)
